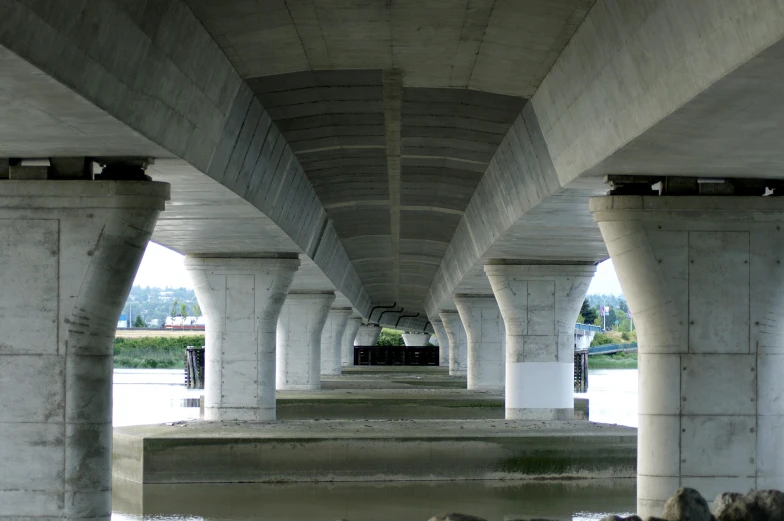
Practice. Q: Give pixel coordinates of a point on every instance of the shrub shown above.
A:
(600, 340)
(390, 337)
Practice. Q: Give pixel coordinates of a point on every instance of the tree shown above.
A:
(611, 318)
(196, 308)
(184, 310)
(390, 337)
(623, 306)
(174, 307)
(139, 322)
(588, 313)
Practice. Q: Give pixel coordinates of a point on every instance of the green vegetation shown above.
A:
(390, 337)
(621, 360)
(153, 305)
(153, 352)
(600, 339)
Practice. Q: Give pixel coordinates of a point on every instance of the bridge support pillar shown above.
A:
(458, 342)
(703, 276)
(332, 341)
(69, 251)
(300, 325)
(367, 336)
(443, 342)
(416, 339)
(349, 337)
(484, 328)
(540, 303)
(242, 298)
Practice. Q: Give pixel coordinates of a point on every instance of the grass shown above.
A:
(621, 360)
(152, 352)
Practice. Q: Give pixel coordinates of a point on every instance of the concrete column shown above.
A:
(703, 277)
(484, 328)
(69, 251)
(298, 358)
(443, 343)
(241, 299)
(458, 342)
(347, 353)
(416, 339)
(367, 335)
(332, 340)
(540, 304)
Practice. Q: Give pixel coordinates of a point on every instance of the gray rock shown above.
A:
(687, 505)
(457, 517)
(760, 505)
(723, 501)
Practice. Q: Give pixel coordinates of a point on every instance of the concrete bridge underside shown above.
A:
(397, 147)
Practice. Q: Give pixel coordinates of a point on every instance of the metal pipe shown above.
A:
(427, 324)
(405, 316)
(378, 322)
(370, 316)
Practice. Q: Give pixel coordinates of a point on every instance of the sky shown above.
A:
(162, 267)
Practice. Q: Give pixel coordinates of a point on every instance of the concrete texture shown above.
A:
(349, 337)
(298, 355)
(384, 392)
(372, 450)
(539, 304)
(242, 299)
(486, 346)
(443, 342)
(367, 335)
(69, 251)
(416, 339)
(458, 342)
(417, 501)
(702, 278)
(332, 340)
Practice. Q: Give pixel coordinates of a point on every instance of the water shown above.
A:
(612, 395)
(156, 396)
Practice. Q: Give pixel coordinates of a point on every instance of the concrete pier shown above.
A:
(298, 355)
(416, 339)
(484, 328)
(349, 337)
(373, 450)
(443, 342)
(332, 340)
(540, 303)
(69, 251)
(458, 343)
(367, 335)
(242, 299)
(703, 278)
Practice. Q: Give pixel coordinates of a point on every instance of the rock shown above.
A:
(687, 505)
(760, 505)
(723, 501)
(457, 517)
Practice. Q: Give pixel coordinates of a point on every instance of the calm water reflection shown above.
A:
(495, 501)
(156, 396)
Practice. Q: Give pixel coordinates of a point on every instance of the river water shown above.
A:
(156, 396)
